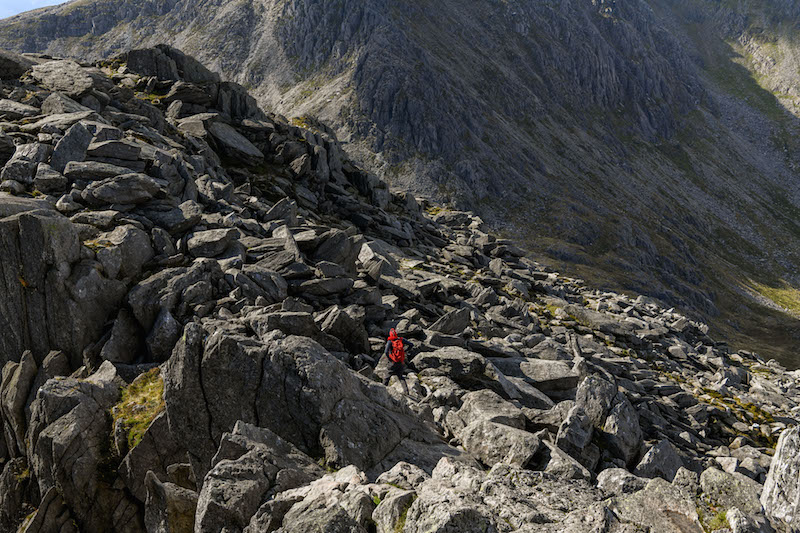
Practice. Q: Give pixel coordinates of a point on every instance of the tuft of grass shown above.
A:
(142, 401)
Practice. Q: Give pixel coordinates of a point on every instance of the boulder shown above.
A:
(169, 508)
(125, 251)
(659, 508)
(59, 104)
(210, 243)
(71, 147)
(49, 298)
(547, 376)
(295, 388)
(618, 481)
(15, 387)
(13, 65)
(453, 323)
(493, 443)
(68, 77)
(781, 494)
(127, 188)
(11, 110)
(731, 490)
(48, 180)
(621, 432)
(68, 444)
(662, 460)
(234, 145)
(490, 406)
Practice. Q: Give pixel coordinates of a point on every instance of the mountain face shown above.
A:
(194, 302)
(645, 146)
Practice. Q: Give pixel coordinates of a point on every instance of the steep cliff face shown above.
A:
(629, 137)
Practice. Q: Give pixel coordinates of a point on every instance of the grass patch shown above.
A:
(783, 295)
(142, 401)
(719, 521)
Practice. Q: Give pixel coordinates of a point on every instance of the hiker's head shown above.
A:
(392, 334)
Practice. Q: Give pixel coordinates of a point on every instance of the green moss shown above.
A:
(401, 522)
(376, 500)
(719, 521)
(142, 401)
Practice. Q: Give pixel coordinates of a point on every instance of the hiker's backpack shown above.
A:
(398, 353)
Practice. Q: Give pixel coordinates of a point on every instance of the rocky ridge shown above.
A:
(194, 293)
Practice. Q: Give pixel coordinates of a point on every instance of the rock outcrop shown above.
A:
(192, 342)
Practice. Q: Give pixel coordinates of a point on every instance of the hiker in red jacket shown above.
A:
(396, 352)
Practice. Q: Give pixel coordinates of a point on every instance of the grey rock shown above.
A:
(731, 490)
(12, 65)
(492, 443)
(52, 300)
(67, 77)
(162, 338)
(12, 110)
(125, 343)
(210, 243)
(51, 516)
(337, 322)
(662, 460)
(116, 149)
(659, 507)
(153, 454)
(350, 420)
(132, 249)
(621, 431)
(595, 395)
(404, 475)
(490, 406)
(618, 481)
(453, 323)
(234, 144)
(17, 379)
(59, 104)
(781, 495)
(547, 376)
(92, 170)
(168, 508)
(125, 189)
(48, 180)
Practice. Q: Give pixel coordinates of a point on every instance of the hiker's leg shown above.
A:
(405, 385)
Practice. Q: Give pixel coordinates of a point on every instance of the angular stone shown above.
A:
(125, 189)
(493, 443)
(781, 494)
(662, 460)
(117, 149)
(621, 431)
(210, 243)
(59, 104)
(13, 65)
(48, 180)
(234, 144)
(731, 490)
(11, 110)
(92, 170)
(453, 323)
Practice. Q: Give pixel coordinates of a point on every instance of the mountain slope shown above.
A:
(625, 136)
(194, 302)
